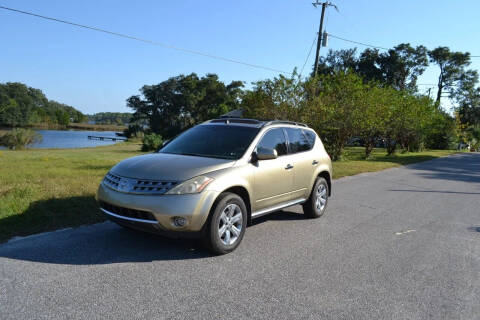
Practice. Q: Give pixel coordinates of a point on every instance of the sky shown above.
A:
(97, 72)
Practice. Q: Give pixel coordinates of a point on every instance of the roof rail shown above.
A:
(262, 123)
(285, 122)
(235, 120)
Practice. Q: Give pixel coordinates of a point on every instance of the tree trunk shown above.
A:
(391, 146)
(440, 87)
(369, 144)
(439, 94)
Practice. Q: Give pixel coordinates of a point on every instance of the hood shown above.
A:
(163, 166)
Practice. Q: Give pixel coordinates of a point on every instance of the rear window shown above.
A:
(310, 137)
(297, 140)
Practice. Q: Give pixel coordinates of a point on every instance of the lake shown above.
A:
(71, 139)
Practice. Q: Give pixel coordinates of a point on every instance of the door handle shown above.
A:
(288, 167)
(314, 162)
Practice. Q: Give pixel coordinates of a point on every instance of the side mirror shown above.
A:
(265, 154)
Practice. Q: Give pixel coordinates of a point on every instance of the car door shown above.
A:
(273, 179)
(302, 158)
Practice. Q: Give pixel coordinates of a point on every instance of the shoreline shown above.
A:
(72, 126)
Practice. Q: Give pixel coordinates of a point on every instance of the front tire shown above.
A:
(316, 205)
(227, 224)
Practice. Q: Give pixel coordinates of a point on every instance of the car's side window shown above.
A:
(274, 139)
(310, 137)
(297, 141)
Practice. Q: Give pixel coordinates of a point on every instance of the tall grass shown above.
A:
(19, 139)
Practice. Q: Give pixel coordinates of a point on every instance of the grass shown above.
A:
(354, 160)
(43, 190)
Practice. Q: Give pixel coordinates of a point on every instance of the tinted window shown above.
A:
(213, 141)
(297, 141)
(274, 139)
(310, 137)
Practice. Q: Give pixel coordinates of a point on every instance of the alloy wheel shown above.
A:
(321, 197)
(230, 224)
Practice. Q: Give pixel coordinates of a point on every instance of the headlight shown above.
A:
(194, 185)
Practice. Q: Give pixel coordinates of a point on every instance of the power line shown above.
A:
(165, 45)
(357, 42)
(369, 45)
(308, 56)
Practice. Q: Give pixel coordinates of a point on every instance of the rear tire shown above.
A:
(227, 224)
(316, 205)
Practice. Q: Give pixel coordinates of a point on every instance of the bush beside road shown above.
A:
(48, 189)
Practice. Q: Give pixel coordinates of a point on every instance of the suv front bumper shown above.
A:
(156, 212)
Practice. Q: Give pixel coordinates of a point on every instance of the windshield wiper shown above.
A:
(200, 155)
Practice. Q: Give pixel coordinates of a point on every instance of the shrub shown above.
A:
(18, 138)
(134, 131)
(151, 142)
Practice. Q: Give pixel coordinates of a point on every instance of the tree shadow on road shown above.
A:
(449, 168)
(435, 191)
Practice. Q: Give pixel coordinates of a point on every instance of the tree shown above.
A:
(279, 98)
(440, 130)
(399, 67)
(338, 61)
(327, 103)
(402, 65)
(333, 111)
(372, 112)
(21, 105)
(452, 68)
(183, 101)
(467, 96)
(368, 67)
(118, 118)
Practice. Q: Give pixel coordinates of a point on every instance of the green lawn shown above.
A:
(354, 160)
(42, 190)
(48, 189)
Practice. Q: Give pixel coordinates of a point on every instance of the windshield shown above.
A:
(213, 141)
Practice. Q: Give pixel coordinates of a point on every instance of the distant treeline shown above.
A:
(22, 106)
(115, 118)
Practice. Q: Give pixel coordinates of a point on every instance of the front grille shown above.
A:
(138, 186)
(126, 212)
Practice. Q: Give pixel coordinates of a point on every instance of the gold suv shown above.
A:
(212, 179)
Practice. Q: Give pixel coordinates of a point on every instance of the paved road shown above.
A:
(403, 243)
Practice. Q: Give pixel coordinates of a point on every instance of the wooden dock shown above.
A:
(106, 138)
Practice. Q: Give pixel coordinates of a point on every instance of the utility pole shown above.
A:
(320, 31)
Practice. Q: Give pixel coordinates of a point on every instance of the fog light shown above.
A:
(179, 221)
